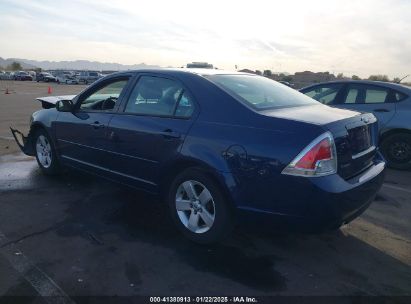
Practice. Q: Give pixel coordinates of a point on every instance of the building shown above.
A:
(302, 79)
(247, 71)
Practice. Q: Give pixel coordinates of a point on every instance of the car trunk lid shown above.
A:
(356, 141)
(355, 134)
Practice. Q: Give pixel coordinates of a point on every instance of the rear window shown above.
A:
(259, 92)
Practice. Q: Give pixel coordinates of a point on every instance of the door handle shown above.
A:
(381, 110)
(170, 134)
(97, 125)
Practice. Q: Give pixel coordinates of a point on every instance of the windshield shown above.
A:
(261, 93)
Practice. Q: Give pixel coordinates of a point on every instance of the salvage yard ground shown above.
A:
(79, 235)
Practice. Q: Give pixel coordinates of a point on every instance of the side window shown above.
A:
(366, 94)
(399, 96)
(325, 94)
(352, 96)
(105, 98)
(159, 97)
(185, 106)
(376, 95)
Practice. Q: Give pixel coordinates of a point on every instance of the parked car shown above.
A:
(219, 148)
(390, 103)
(87, 77)
(45, 77)
(66, 77)
(286, 83)
(8, 75)
(22, 76)
(32, 74)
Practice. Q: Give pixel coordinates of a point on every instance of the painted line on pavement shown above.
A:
(40, 281)
(396, 188)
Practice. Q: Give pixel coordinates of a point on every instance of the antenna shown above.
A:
(402, 79)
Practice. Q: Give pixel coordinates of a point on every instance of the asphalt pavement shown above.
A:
(86, 237)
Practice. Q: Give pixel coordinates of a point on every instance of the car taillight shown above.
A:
(319, 158)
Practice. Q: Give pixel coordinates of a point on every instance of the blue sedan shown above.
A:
(220, 148)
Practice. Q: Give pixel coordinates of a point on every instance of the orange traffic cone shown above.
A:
(7, 91)
(49, 91)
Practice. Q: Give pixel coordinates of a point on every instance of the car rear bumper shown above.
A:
(328, 203)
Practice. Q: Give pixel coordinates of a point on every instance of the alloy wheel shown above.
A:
(401, 151)
(43, 150)
(195, 206)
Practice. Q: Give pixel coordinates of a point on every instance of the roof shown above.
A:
(391, 85)
(198, 71)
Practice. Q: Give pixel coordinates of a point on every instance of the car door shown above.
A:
(149, 129)
(82, 134)
(369, 98)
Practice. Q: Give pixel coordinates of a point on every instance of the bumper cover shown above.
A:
(25, 143)
(330, 203)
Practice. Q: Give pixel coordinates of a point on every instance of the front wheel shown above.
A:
(199, 208)
(46, 153)
(396, 149)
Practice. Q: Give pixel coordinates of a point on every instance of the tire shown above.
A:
(396, 149)
(204, 219)
(46, 155)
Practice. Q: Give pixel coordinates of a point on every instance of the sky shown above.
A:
(351, 37)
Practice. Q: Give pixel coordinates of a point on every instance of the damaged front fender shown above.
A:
(25, 143)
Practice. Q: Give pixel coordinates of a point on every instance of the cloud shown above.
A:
(361, 37)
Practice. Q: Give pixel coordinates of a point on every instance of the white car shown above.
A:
(67, 78)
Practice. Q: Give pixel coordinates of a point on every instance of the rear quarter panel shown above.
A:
(253, 158)
(401, 119)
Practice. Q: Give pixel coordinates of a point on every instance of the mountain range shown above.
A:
(28, 64)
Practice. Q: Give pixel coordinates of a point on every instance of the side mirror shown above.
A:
(64, 106)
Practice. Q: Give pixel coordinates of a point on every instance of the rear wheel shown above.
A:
(199, 208)
(397, 150)
(46, 153)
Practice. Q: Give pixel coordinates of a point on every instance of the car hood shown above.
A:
(50, 101)
(315, 114)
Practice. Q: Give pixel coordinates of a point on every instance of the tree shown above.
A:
(340, 76)
(396, 80)
(15, 66)
(379, 78)
(355, 77)
(267, 73)
(287, 78)
(258, 72)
